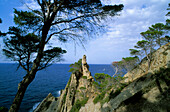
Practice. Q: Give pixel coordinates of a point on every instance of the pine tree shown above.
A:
(62, 19)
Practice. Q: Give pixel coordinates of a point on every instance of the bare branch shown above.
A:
(70, 20)
(42, 8)
(32, 9)
(59, 32)
(22, 66)
(56, 9)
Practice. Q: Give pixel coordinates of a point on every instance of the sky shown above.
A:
(122, 33)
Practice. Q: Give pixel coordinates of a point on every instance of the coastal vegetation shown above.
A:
(108, 87)
(76, 67)
(78, 104)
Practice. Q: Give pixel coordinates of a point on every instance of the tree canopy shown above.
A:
(22, 46)
(63, 18)
(158, 30)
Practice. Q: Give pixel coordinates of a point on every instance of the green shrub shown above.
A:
(114, 94)
(71, 70)
(77, 91)
(84, 77)
(69, 81)
(76, 66)
(107, 99)
(99, 98)
(78, 104)
(64, 98)
(102, 81)
(82, 88)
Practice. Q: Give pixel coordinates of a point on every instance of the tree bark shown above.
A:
(149, 60)
(22, 86)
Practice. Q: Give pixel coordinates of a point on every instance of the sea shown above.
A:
(50, 80)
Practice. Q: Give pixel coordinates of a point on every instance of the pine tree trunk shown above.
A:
(22, 86)
(148, 60)
(31, 75)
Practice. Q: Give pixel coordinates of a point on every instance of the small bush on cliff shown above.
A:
(84, 77)
(99, 98)
(64, 98)
(104, 83)
(76, 67)
(82, 87)
(78, 104)
(113, 94)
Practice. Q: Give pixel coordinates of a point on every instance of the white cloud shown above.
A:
(29, 3)
(125, 30)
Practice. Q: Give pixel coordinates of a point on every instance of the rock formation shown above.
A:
(147, 91)
(78, 87)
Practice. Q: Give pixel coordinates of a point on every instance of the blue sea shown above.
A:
(49, 80)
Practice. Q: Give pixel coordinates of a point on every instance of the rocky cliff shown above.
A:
(161, 59)
(75, 95)
(145, 91)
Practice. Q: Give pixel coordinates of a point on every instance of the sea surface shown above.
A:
(49, 80)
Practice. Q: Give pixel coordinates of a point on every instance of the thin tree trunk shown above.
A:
(115, 71)
(148, 59)
(22, 86)
(31, 75)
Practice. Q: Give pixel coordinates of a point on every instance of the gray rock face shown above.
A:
(143, 95)
(47, 105)
(161, 59)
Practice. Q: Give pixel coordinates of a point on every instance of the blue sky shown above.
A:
(122, 33)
